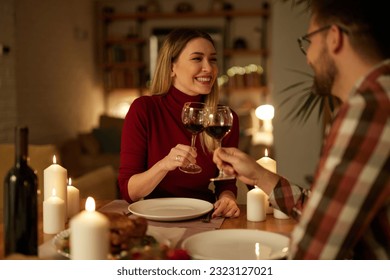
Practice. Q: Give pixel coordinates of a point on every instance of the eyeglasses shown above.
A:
(304, 41)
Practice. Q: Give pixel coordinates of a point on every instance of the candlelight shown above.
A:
(266, 152)
(53, 192)
(54, 159)
(70, 181)
(90, 204)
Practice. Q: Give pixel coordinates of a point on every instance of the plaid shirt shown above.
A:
(347, 214)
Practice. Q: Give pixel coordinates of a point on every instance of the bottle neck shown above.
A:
(21, 145)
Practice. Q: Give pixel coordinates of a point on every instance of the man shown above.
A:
(346, 213)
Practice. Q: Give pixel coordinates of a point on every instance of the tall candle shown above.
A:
(55, 176)
(53, 214)
(73, 198)
(89, 234)
(255, 204)
(270, 164)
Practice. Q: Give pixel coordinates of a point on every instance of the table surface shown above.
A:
(271, 224)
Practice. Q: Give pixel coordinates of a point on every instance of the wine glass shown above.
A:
(218, 125)
(193, 118)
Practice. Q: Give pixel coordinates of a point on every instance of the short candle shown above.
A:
(89, 234)
(53, 214)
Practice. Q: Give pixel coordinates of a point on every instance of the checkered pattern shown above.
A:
(348, 212)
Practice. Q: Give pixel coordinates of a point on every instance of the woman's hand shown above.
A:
(181, 155)
(226, 206)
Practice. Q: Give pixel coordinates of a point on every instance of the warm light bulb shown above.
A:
(265, 112)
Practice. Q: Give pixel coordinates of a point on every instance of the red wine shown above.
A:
(21, 202)
(217, 131)
(194, 128)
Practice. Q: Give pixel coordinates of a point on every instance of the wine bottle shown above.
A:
(21, 202)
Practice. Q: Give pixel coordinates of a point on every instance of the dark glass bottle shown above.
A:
(21, 202)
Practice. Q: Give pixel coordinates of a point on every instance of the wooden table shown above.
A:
(270, 224)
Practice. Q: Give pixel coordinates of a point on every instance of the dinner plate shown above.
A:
(236, 244)
(170, 209)
(64, 235)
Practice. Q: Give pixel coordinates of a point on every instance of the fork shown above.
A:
(207, 217)
(127, 214)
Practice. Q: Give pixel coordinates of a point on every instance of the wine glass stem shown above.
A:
(193, 138)
(221, 173)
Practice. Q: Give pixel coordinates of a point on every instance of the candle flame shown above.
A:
(266, 152)
(54, 159)
(90, 204)
(53, 192)
(70, 182)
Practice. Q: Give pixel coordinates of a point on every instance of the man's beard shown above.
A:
(325, 74)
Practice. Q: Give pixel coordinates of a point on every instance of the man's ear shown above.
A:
(335, 39)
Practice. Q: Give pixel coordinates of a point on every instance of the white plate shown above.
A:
(170, 209)
(236, 244)
(61, 236)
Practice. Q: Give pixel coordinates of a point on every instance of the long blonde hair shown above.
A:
(170, 51)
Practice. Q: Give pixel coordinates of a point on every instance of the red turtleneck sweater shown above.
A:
(152, 127)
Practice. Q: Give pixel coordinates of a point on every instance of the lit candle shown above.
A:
(89, 234)
(53, 214)
(270, 164)
(55, 176)
(255, 205)
(267, 162)
(73, 200)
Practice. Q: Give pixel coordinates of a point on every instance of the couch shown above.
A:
(94, 149)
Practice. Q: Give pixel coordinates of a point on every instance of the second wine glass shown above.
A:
(218, 125)
(193, 118)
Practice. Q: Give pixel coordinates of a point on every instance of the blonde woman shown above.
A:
(154, 140)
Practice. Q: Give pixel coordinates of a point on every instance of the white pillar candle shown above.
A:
(55, 176)
(255, 205)
(267, 162)
(270, 164)
(53, 214)
(73, 198)
(89, 234)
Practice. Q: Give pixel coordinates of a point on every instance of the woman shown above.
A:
(154, 140)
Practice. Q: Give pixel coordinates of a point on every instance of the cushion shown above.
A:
(109, 139)
(89, 143)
